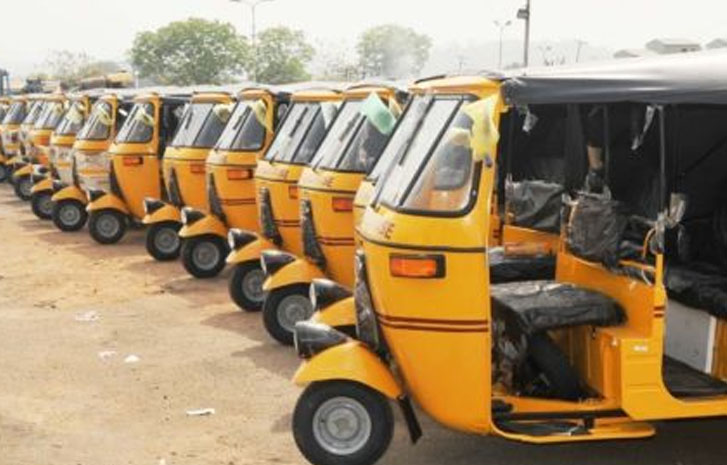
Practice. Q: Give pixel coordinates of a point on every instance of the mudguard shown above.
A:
(251, 252)
(42, 186)
(106, 202)
(300, 271)
(25, 170)
(341, 313)
(210, 224)
(167, 213)
(70, 193)
(351, 361)
(14, 160)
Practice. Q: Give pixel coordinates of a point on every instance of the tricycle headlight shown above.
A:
(231, 239)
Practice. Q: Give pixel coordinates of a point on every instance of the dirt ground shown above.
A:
(70, 396)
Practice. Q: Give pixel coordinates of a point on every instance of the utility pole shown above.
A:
(501, 26)
(524, 14)
(253, 5)
(580, 43)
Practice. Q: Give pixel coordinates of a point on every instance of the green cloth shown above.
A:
(376, 111)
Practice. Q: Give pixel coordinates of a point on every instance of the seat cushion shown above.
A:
(506, 268)
(699, 286)
(536, 306)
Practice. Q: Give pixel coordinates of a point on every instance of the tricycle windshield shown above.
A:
(36, 109)
(98, 126)
(3, 111)
(72, 121)
(433, 171)
(16, 113)
(202, 125)
(245, 130)
(139, 126)
(52, 115)
(338, 138)
(304, 127)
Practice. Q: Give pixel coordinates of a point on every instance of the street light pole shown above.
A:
(253, 37)
(502, 26)
(524, 14)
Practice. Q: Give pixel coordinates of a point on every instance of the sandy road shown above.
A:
(68, 397)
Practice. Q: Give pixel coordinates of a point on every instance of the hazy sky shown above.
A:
(31, 29)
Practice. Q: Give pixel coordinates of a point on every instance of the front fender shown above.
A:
(210, 224)
(42, 186)
(337, 315)
(167, 213)
(70, 193)
(251, 251)
(300, 271)
(14, 160)
(351, 361)
(25, 170)
(106, 202)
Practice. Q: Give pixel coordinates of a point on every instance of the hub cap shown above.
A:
(206, 256)
(3, 172)
(342, 426)
(108, 225)
(166, 240)
(45, 205)
(252, 285)
(25, 187)
(292, 309)
(69, 214)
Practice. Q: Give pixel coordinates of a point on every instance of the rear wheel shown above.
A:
(4, 172)
(107, 226)
(69, 215)
(42, 204)
(342, 423)
(23, 188)
(163, 241)
(246, 286)
(204, 256)
(283, 308)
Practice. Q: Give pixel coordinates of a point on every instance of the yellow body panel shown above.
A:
(251, 252)
(210, 224)
(167, 213)
(70, 193)
(108, 201)
(719, 366)
(351, 361)
(299, 271)
(342, 313)
(536, 241)
(43, 186)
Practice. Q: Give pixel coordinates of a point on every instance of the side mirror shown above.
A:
(677, 209)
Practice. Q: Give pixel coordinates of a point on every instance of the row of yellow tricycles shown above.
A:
(539, 256)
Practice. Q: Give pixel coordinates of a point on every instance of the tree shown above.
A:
(392, 51)
(195, 51)
(70, 68)
(282, 55)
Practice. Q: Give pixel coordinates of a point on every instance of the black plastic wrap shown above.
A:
(311, 246)
(535, 204)
(508, 268)
(267, 218)
(535, 306)
(702, 288)
(595, 229)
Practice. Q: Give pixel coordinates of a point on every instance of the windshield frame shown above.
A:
(65, 126)
(350, 131)
(410, 181)
(90, 119)
(42, 121)
(131, 119)
(32, 115)
(187, 124)
(12, 110)
(244, 118)
(306, 106)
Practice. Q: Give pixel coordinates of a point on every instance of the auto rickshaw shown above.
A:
(184, 172)
(230, 182)
(135, 164)
(276, 180)
(326, 189)
(4, 107)
(62, 119)
(86, 164)
(578, 358)
(36, 132)
(10, 131)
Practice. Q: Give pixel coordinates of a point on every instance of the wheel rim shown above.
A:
(25, 188)
(292, 309)
(3, 172)
(206, 256)
(69, 215)
(342, 426)
(252, 285)
(166, 240)
(108, 225)
(45, 205)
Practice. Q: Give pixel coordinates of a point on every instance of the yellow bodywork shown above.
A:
(11, 133)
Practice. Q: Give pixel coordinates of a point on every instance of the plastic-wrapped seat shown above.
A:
(507, 268)
(535, 306)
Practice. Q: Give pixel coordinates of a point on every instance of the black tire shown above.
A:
(69, 215)
(4, 172)
(22, 186)
(719, 229)
(282, 307)
(42, 204)
(308, 424)
(547, 357)
(107, 226)
(245, 276)
(209, 265)
(161, 244)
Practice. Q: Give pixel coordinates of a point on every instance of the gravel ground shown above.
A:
(71, 395)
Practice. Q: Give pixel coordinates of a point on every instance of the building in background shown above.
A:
(667, 46)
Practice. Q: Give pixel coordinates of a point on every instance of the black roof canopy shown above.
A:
(697, 78)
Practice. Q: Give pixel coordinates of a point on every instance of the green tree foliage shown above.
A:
(282, 56)
(392, 51)
(195, 51)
